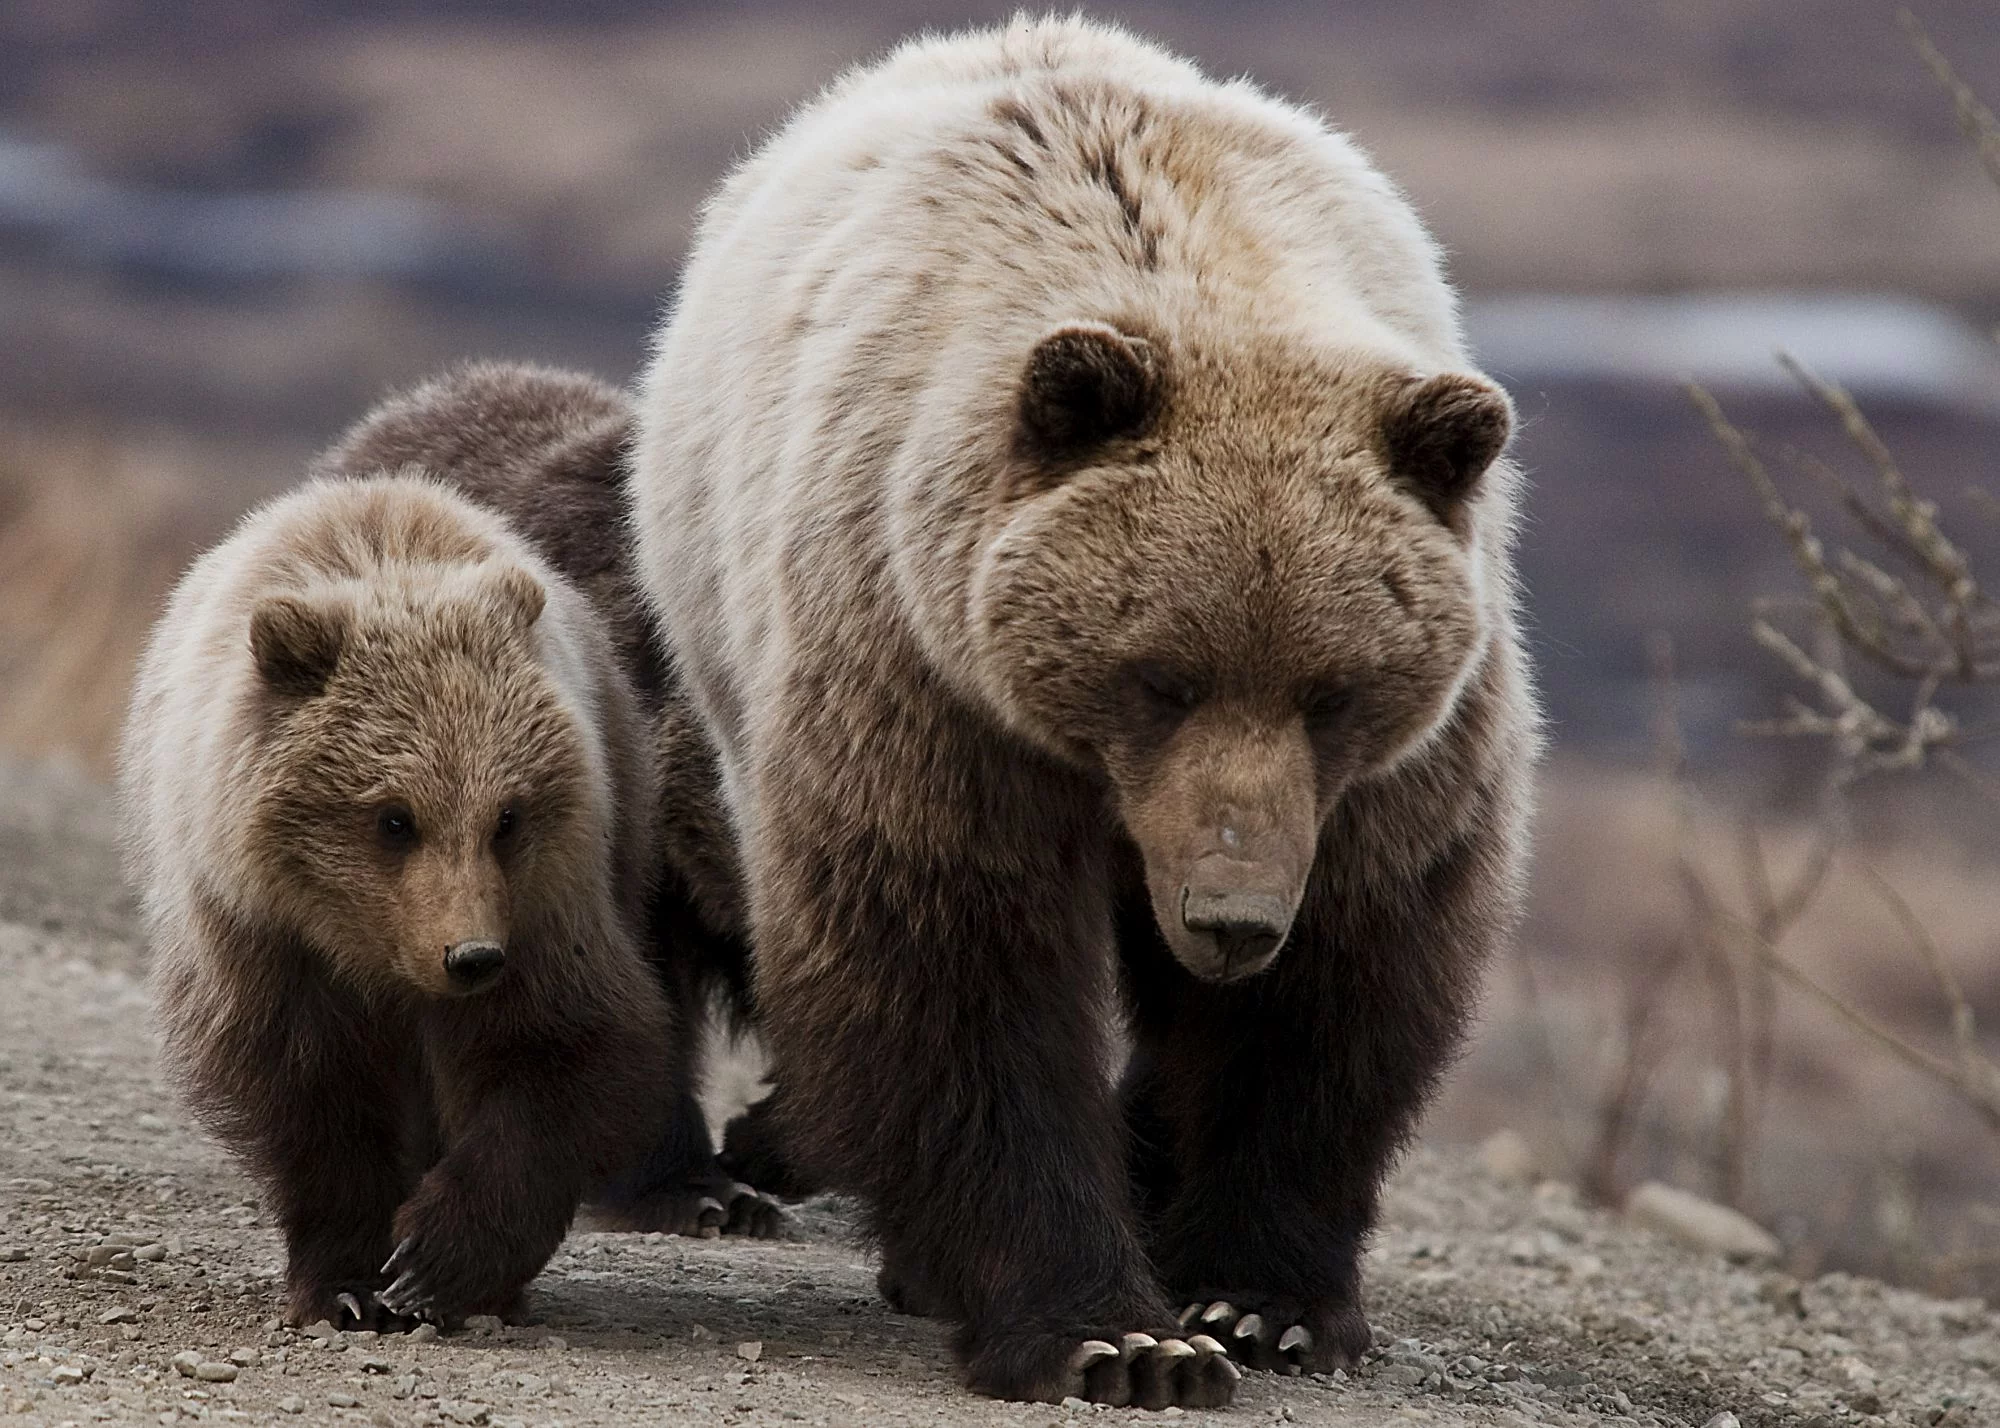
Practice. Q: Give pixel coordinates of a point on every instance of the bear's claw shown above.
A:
(406, 1296)
(1255, 1341)
(1141, 1371)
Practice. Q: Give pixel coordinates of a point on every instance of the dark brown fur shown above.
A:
(544, 449)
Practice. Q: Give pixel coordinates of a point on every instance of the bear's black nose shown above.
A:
(1247, 926)
(475, 963)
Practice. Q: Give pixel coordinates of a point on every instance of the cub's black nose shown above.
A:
(1247, 926)
(474, 964)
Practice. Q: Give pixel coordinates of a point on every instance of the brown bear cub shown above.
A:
(544, 450)
(389, 805)
(1072, 505)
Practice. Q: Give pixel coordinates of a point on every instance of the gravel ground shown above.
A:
(139, 1278)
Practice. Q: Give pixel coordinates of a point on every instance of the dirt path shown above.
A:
(127, 1241)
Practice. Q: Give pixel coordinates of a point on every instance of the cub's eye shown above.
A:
(1327, 705)
(396, 827)
(506, 823)
(1168, 693)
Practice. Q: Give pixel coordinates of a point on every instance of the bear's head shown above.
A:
(426, 791)
(1239, 581)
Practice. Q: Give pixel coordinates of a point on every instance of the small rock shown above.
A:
(67, 1374)
(151, 1122)
(482, 1323)
(186, 1362)
(372, 1365)
(555, 1344)
(291, 1403)
(215, 1372)
(752, 1350)
(151, 1254)
(342, 1400)
(701, 1333)
(318, 1329)
(1507, 1157)
(1724, 1419)
(12, 1254)
(1701, 1223)
(1784, 1294)
(1073, 1404)
(243, 1358)
(120, 1315)
(423, 1333)
(107, 1254)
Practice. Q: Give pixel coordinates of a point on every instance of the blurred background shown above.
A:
(228, 226)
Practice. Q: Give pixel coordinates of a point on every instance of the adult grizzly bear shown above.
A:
(390, 811)
(1065, 487)
(544, 449)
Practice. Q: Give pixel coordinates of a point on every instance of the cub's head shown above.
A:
(1238, 582)
(426, 791)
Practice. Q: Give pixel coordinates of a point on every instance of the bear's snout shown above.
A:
(475, 964)
(1247, 926)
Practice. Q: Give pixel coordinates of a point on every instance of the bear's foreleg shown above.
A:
(315, 1091)
(938, 1025)
(1266, 1113)
(534, 1110)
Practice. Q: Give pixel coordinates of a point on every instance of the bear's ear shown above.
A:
(1441, 433)
(1085, 384)
(520, 594)
(296, 644)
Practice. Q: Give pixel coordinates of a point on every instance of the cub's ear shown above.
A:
(296, 644)
(1441, 433)
(1084, 385)
(520, 594)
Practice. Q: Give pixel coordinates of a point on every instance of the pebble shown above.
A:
(243, 1358)
(423, 1333)
(1724, 1419)
(12, 1254)
(482, 1323)
(186, 1362)
(215, 1372)
(67, 1374)
(752, 1350)
(120, 1315)
(1701, 1223)
(1507, 1157)
(342, 1400)
(151, 1254)
(291, 1403)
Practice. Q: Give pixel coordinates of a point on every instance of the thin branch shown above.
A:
(1974, 118)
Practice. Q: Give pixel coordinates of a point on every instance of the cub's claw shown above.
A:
(1295, 1337)
(399, 1255)
(1218, 1311)
(353, 1307)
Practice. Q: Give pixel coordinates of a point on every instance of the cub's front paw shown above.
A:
(1275, 1332)
(1134, 1369)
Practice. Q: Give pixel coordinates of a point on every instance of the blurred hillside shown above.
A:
(227, 226)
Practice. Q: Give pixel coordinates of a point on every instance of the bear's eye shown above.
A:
(1169, 694)
(396, 827)
(1326, 706)
(505, 824)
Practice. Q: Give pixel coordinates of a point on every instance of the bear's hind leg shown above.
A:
(681, 1188)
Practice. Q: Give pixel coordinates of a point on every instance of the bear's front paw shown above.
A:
(1136, 1370)
(344, 1306)
(428, 1286)
(1279, 1333)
